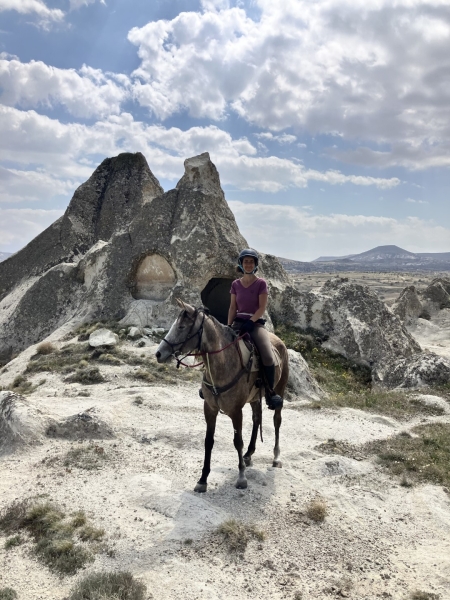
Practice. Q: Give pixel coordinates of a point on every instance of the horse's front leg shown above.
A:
(276, 450)
(256, 414)
(236, 418)
(210, 418)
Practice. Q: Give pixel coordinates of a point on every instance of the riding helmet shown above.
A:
(248, 252)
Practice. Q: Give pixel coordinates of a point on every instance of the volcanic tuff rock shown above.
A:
(124, 249)
(301, 383)
(352, 319)
(437, 294)
(20, 423)
(415, 371)
(408, 306)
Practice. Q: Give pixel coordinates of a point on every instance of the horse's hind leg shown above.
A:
(276, 450)
(236, 418)
(210, 418)
(256, 414)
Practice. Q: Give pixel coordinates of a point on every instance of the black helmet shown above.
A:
(248, 252)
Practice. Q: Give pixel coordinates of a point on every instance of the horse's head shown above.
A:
(184, 335)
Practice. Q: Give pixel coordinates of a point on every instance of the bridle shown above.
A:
(189, 337)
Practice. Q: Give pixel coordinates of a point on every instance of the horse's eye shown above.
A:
(181, 327)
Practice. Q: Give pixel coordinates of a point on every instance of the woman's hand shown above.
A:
(247, 326)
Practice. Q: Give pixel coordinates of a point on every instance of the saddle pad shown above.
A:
(255, 364)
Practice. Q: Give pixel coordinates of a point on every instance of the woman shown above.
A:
(248, 303)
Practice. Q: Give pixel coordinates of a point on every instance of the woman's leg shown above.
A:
(262, 342)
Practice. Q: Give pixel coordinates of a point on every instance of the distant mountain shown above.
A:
(4, 255)
(381, 258)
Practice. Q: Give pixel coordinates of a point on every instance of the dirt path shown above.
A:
(379, 540)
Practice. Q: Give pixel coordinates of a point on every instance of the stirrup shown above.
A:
(274, 401)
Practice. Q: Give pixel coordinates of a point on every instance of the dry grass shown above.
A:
(419, 595)
(237, 535)
(316, 509)
(165, 373)
(8, 594)
(54, 534)
(45, 348)
(424, 456)
(12, 542)
(87, 375)
(109, 586)
(90, 458)
(399, 405)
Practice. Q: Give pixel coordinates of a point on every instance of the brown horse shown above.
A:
(228, 383)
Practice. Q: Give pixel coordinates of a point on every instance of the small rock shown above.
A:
(134, 333)
(103, 337)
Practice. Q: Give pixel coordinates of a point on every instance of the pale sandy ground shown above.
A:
(382, 539)
(434, 335)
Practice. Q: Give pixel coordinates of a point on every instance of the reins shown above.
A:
(216, 391)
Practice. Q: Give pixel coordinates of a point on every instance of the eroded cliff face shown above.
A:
(124, 249)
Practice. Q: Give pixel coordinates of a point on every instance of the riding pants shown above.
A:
(260, 336)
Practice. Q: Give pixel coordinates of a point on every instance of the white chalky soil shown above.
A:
(379, 540)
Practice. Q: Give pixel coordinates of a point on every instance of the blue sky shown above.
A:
(329, 121)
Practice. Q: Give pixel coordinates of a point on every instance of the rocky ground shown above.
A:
(378, 540)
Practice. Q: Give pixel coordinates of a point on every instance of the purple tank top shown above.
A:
(247, 299)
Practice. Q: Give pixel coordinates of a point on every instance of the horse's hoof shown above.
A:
(201, 487)
(277, 463)
(248, 461)
(241, 484)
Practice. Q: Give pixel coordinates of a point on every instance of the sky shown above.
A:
(328, 120)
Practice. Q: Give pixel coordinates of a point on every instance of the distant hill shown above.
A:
(4, 255)
(381, 258)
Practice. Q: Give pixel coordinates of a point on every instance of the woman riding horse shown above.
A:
(249, 296)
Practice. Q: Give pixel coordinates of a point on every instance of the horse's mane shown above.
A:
(227, 331)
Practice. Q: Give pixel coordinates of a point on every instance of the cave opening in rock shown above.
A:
(216, 297)
(154, 279)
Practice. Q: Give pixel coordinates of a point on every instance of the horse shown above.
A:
(228, 384)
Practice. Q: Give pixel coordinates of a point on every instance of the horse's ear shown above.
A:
(180, 303)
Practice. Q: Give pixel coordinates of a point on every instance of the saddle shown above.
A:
(246, 346)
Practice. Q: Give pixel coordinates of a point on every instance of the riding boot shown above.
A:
(273, 400)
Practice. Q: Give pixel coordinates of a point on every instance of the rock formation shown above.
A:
(124, 249)
(415, 371)
(301, 384)
(20, 424)
(408, 306)
(437, 295)
(352, 320)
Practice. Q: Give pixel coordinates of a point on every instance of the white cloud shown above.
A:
(19, 225)
(85, 93)
(412, 201)
(31, 186)
(76, 4)
(29, 138)
(365, 71)
(285, 138)
(209, 5)
(294, 233)
(40, 9)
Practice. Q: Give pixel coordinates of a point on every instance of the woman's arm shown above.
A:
(262, 307)
(232, 310)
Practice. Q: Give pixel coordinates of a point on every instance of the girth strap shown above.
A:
(217, 390)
